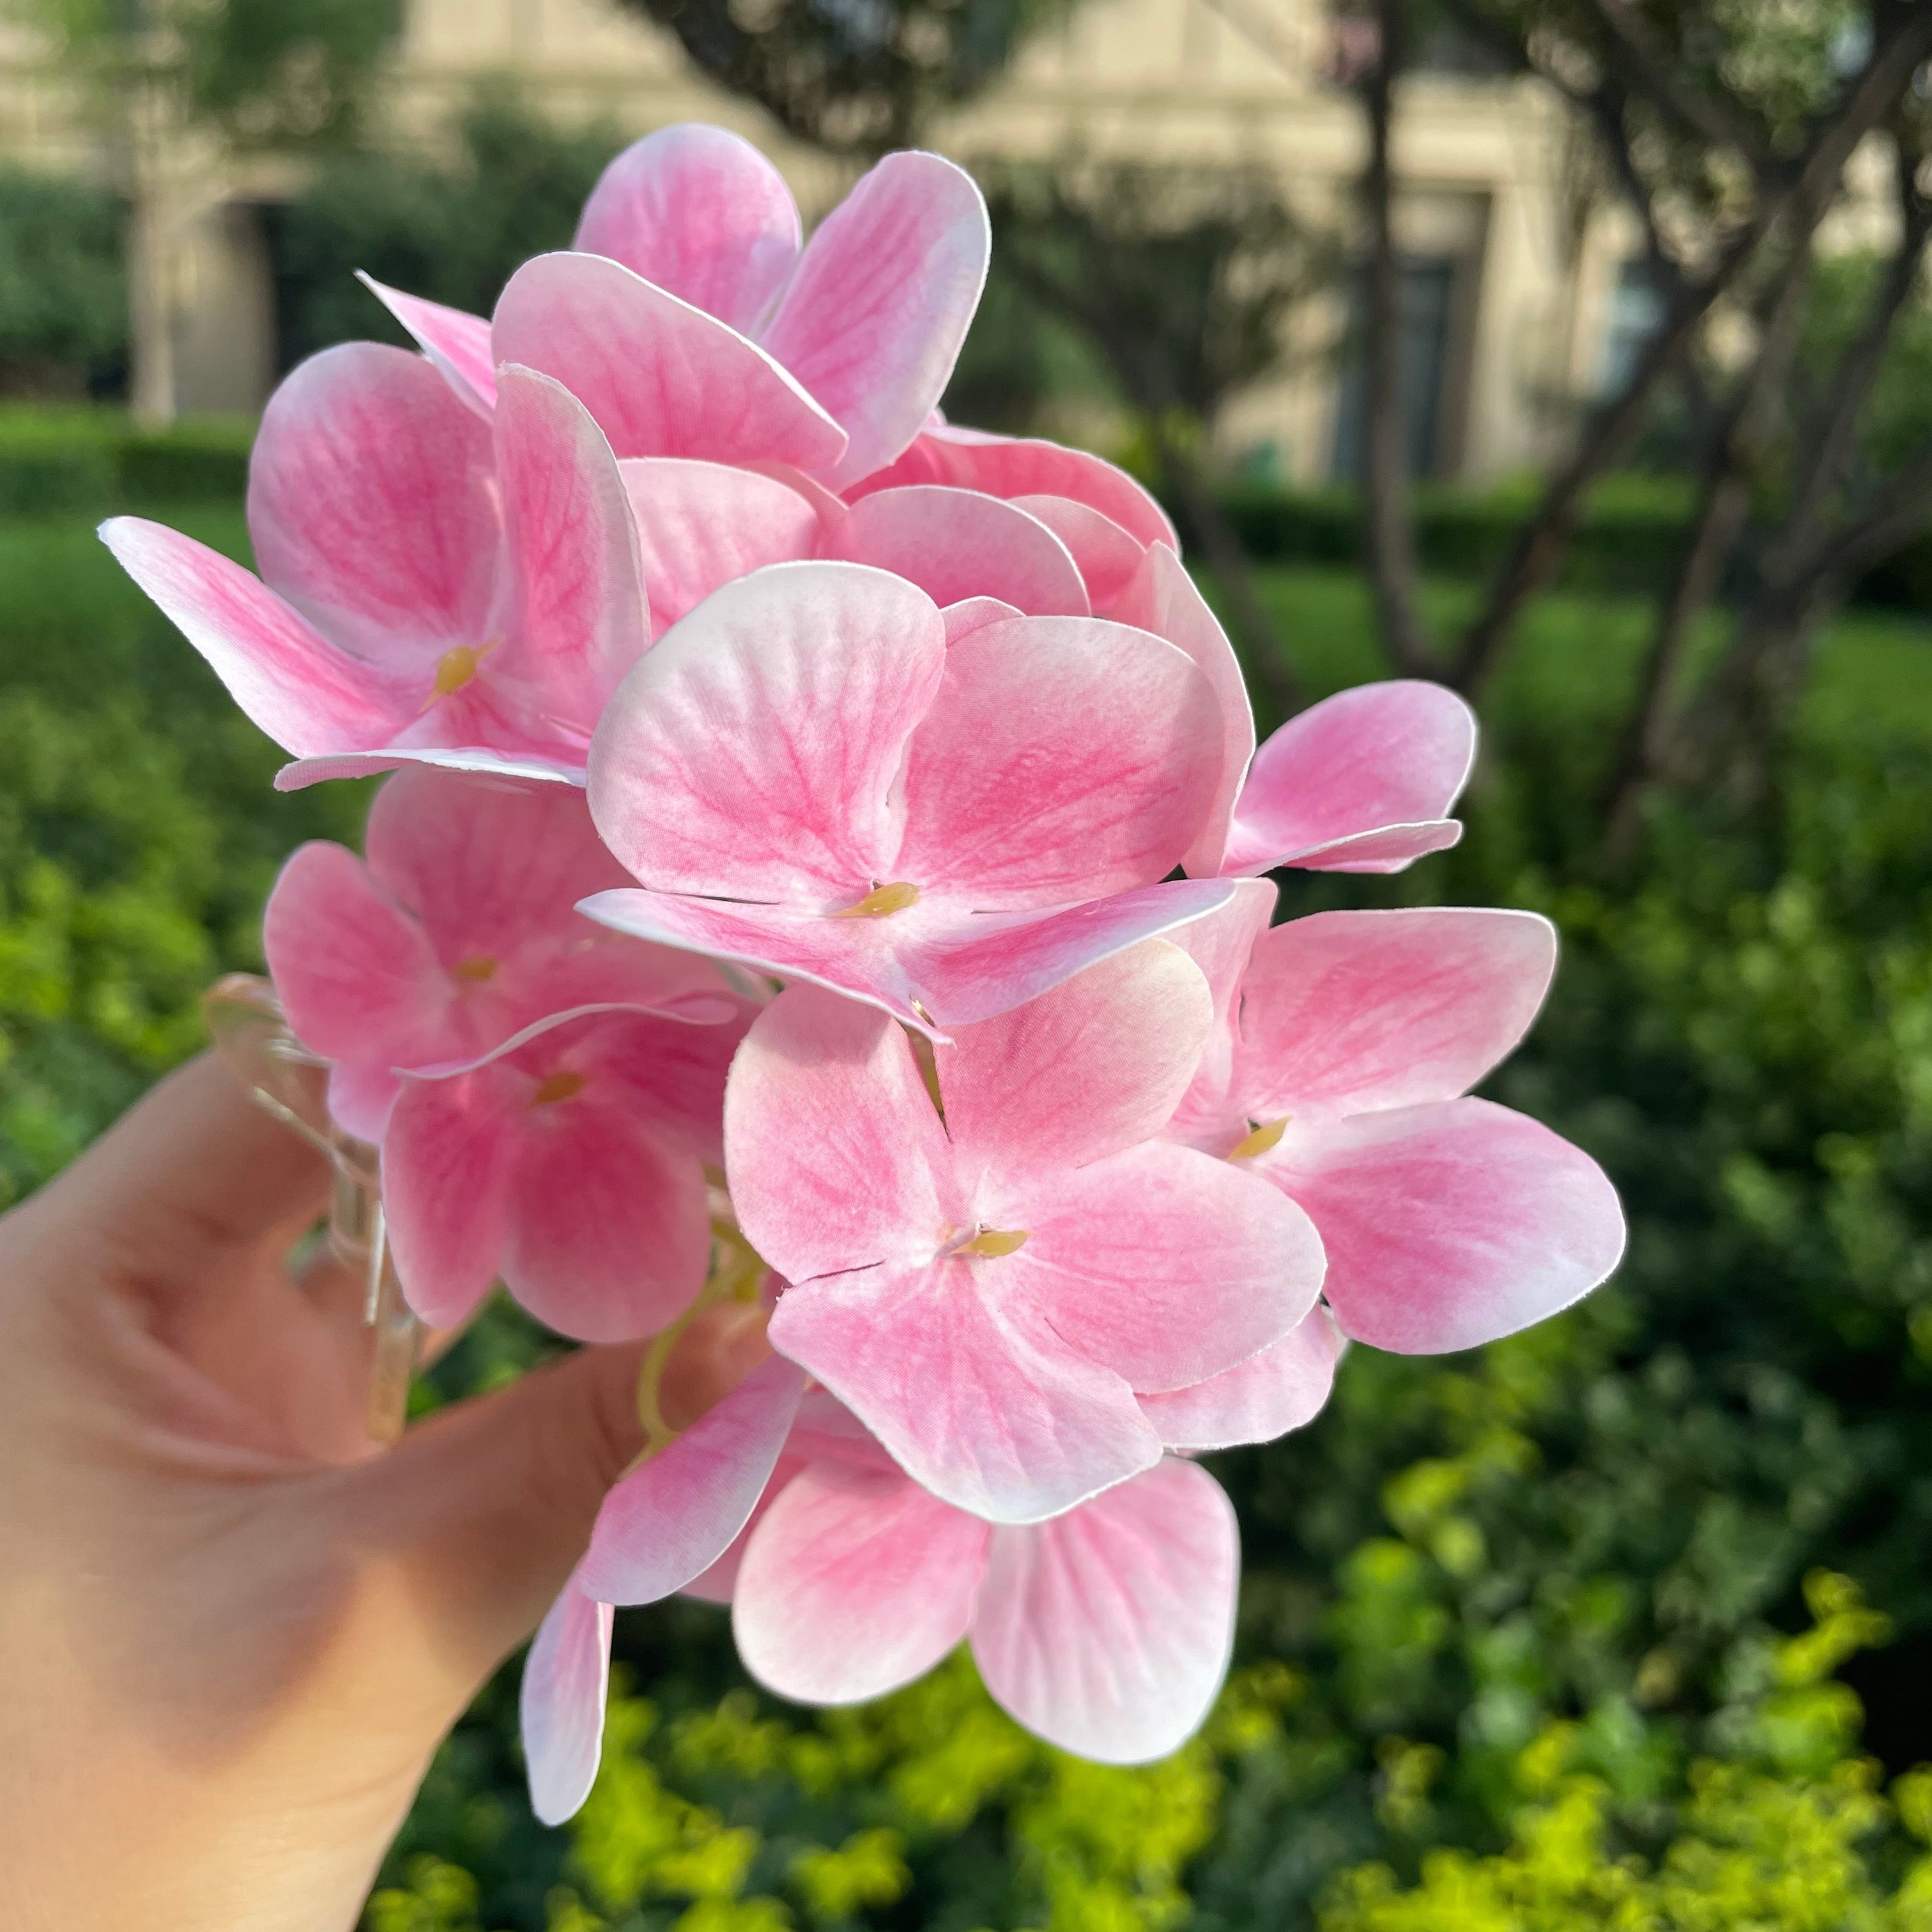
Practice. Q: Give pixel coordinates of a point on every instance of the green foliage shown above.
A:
(860, 77)
(78, 456)
(451, 231)
(63, 299)
(264, 72)
(138, 835)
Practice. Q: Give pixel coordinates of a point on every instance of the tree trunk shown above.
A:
(1389, 527)
(150, 343)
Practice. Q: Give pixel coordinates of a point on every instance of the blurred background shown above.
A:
(1574, 351)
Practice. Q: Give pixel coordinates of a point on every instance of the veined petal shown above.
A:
(1281, 1388)
(984, 967)
(372, 506)
(1362, 782)
(1450, 1224)
(976, 1398)
(1162, 597)
(1221, 944)
(1348, 1012)
(458, 343)
(1010, 467)
(1093, 1066)
(1063, 759)
(701, 525)
(447, 1159)
(672, 1517)
(1108, 1631)
(1161, 1263)
(836, 1157)
(872, 319)
(301, 773)
(957, 544)
(755, 751)
(576, 620)
(701, 212)
(855, 1581)
(1106, 555)
(662, 378)
(566, 1679)
(287, 678)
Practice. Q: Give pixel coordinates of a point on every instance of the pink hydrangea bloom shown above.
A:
(807, 777)
(1105, 1630)
(988, 1293)
(433, 588)
(544, 1091)
(1343, 1047)
(455, 933)
(692, 323)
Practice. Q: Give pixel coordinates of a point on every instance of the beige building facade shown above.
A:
(1518, 290)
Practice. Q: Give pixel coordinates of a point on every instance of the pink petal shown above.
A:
(372, 506)
(671, 1518)
(1281, 1388)
(357, 978)
(1065, 758)
(1361, 782)
(1108, 1631)
(576, 620)
(289, 680)
(1162, 597)
(973, 613)
(755, 751)
(1107, 556)
(301, 773)
(662, 378)
(836, 1157)
(448, 1156)
(998, 963)
(859, 957)
(608, 1231)
(701, 212)
(956, 543)
(458, 343)
(854, 1583)
(1450, 1224)
(1162, 1263)
(702, 524)
(1010, 467)
(486, 862)
(1220, 944)
(976, 1398)
(566, 1677)
(1092, 1067)
(873, 317)
(1346, 1012)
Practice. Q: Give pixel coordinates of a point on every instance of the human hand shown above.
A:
(232, 1631)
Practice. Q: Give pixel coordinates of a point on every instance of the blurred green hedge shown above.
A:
(94, 458)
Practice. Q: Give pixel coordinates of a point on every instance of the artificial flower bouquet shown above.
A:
(821, 876)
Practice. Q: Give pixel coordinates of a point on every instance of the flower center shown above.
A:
(881, 902)
(1267, 1135)
(474, 971)
(455, 668)
(991, 1242)
(562, 1085)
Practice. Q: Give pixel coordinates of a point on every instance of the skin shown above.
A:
(232, 1632)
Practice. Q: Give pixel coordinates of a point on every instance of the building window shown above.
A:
(1637, 314)
(1428, 293)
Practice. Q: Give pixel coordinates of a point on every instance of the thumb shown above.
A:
(486, 1508)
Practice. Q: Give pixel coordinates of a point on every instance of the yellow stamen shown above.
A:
(1267, 1135)
(881, 902)
(562, 1085)
(476, 969)
(995, 1241)
(454, 669)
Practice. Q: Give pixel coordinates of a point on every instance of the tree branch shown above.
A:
(1540, 543)
(1656, 72)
